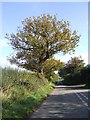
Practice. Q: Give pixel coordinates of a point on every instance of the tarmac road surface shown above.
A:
(65, 102)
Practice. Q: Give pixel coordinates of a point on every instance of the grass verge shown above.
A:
(22, 96)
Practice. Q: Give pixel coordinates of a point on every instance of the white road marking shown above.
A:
(84, 96)
(85, 104)
(81, 99)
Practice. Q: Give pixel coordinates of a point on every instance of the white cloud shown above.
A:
(3, 43)
(85, 57)
(65, 58)
(5, 63)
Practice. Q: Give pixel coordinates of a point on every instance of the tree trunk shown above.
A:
(41, 73)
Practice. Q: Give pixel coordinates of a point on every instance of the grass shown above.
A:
(23, 92)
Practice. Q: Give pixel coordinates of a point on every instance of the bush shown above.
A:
(73, 79)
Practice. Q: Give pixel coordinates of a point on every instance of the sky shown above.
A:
(15, 12)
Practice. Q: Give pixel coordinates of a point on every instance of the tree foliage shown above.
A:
(74, 65)
(40, 38)
(72, 71)
(50, 66)
(85, 75)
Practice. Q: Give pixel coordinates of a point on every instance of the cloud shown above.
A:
(67, 57)
(3, 43)
(5, 63)
(85, 57)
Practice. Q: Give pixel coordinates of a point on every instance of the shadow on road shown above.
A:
(62, 105)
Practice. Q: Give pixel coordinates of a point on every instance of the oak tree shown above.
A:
(39, 39)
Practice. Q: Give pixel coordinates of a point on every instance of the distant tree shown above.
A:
(61, 71)
(72, 71)
(85, 75)
(39, 39)
(74, 65)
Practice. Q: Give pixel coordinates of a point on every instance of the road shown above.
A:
(64, 102)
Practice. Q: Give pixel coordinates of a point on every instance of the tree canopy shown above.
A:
(73, 66)
(73, 71)
(39, 39)
(50, 66)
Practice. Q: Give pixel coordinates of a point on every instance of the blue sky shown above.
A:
(75, 12)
